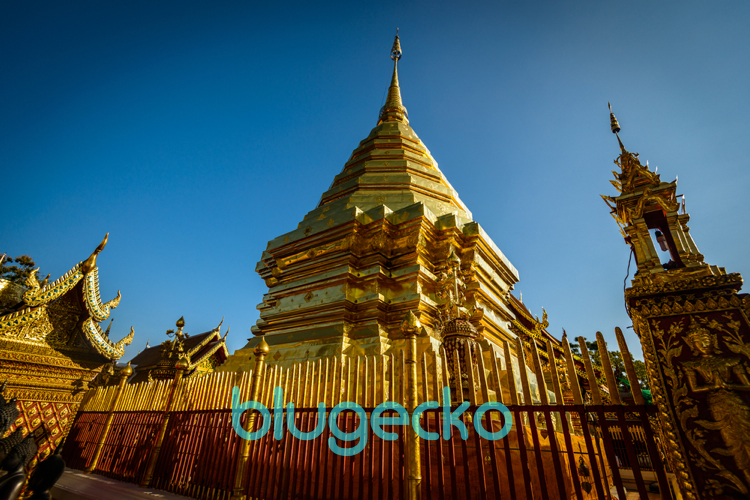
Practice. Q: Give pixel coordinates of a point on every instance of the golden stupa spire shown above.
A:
(394, 110)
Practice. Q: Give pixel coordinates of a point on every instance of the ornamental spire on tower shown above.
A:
(394, 110)
(615, 126)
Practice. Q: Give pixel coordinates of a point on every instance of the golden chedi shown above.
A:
(372, 250)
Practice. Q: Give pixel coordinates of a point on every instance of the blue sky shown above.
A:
(195, 132)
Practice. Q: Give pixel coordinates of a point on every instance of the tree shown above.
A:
(618, 367)
(18, 273)
(593, 349)
(640, 372)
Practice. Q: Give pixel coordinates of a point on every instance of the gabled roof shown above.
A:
(83, 282)
(537, 330)
(532, 324)
(196, 348)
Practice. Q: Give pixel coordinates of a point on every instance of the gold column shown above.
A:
(410, 327)
(124, 374)
(181, 366)
(261, 351)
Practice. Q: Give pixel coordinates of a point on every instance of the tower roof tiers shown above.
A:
(391, 168)
(393, 161)
(372, 250)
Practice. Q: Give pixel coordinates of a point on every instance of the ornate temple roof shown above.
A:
(203, 353)
(76, 293)
(530, 328)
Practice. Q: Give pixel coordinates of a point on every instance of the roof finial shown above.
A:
(394, 110)
(396, 49)
(615, 126)
(106, 334)
(90, 263)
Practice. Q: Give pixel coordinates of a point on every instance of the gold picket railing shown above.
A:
(567, 442)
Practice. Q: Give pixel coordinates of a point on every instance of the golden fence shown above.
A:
(177, 434)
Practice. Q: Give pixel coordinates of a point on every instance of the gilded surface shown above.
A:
(695, 334)
(708, 388)
(52, 347)
(52, 313)
(99, 312)
(159, 362)
(340, 283)
(36, 295)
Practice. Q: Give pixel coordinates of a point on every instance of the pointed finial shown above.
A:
(262, 349)
(394, 110)
(183, 363)
(612, 120)
(615, 126)
(410, 324)
(90, 263)
(396, 49)
(453, 258)
(106, 333)
(180, 322)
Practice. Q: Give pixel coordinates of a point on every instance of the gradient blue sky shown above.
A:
(196, 132)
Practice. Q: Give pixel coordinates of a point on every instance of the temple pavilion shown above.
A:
(202, 353)
(52, 347)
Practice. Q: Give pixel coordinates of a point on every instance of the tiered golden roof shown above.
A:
(52, 346)
(645, 203)
(371, 250)
(33, 321)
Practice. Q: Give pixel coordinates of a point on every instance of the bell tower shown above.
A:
(648, 206)
(694, 329)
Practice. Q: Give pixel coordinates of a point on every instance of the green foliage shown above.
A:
(618, 367)
(18, 272)
(593, 349)
(640, 372)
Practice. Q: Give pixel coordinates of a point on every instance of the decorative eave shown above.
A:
(99, 340)
(213, 334)
(36, 295)
(541, 335)
(36, 298)
(221, 346)
(158, 362)
(17, 318)
(92, 298)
